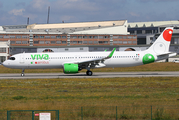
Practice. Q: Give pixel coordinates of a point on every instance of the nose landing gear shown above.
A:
(22, 74)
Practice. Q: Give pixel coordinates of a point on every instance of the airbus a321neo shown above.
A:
(73, 62)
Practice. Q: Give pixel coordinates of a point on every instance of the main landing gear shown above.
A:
(22, 74)
(89, 73)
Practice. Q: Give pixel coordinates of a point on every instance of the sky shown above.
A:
(16, 12)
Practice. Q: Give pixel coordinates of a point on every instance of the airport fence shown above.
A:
(32, 114)
(122, 113)
(98, 113)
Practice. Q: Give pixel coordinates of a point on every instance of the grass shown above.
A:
(149, 67)
(98, 97)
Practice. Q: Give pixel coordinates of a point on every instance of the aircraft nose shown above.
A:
(4, 63)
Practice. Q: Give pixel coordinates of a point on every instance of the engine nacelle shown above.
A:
(70, 68)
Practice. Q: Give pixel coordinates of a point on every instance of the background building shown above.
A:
(83, 36)
(146, 31)
(63, 37)
(4, 51)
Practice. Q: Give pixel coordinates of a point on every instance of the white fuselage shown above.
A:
(56, 60)
(75, 61)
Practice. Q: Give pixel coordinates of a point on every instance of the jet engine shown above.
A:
(70, 68)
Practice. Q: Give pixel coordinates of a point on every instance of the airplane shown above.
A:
(73, 62)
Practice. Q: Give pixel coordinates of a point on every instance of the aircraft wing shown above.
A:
(97, 62)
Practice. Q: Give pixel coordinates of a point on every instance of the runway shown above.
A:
(83, 75)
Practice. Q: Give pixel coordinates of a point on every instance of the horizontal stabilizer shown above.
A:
(165, 56)
(169, 53)
(172, 54)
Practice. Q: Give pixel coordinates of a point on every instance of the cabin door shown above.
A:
(22, 59)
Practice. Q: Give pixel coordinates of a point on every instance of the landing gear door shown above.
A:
(22, 59)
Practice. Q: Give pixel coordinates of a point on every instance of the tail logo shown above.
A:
(167, 34)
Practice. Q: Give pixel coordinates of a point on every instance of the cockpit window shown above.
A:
(12, 58)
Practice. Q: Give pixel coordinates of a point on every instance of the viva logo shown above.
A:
(148, 58)
(40, 56)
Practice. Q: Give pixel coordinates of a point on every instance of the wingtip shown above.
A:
(111, 54)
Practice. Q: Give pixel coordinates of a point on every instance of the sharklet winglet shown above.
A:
(111, 54)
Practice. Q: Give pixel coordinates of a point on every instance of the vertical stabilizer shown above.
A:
(161, 45)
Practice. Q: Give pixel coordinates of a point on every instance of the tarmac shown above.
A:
(83, 75)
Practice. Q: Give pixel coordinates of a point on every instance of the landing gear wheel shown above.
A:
(89, 73)
(22, 75)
